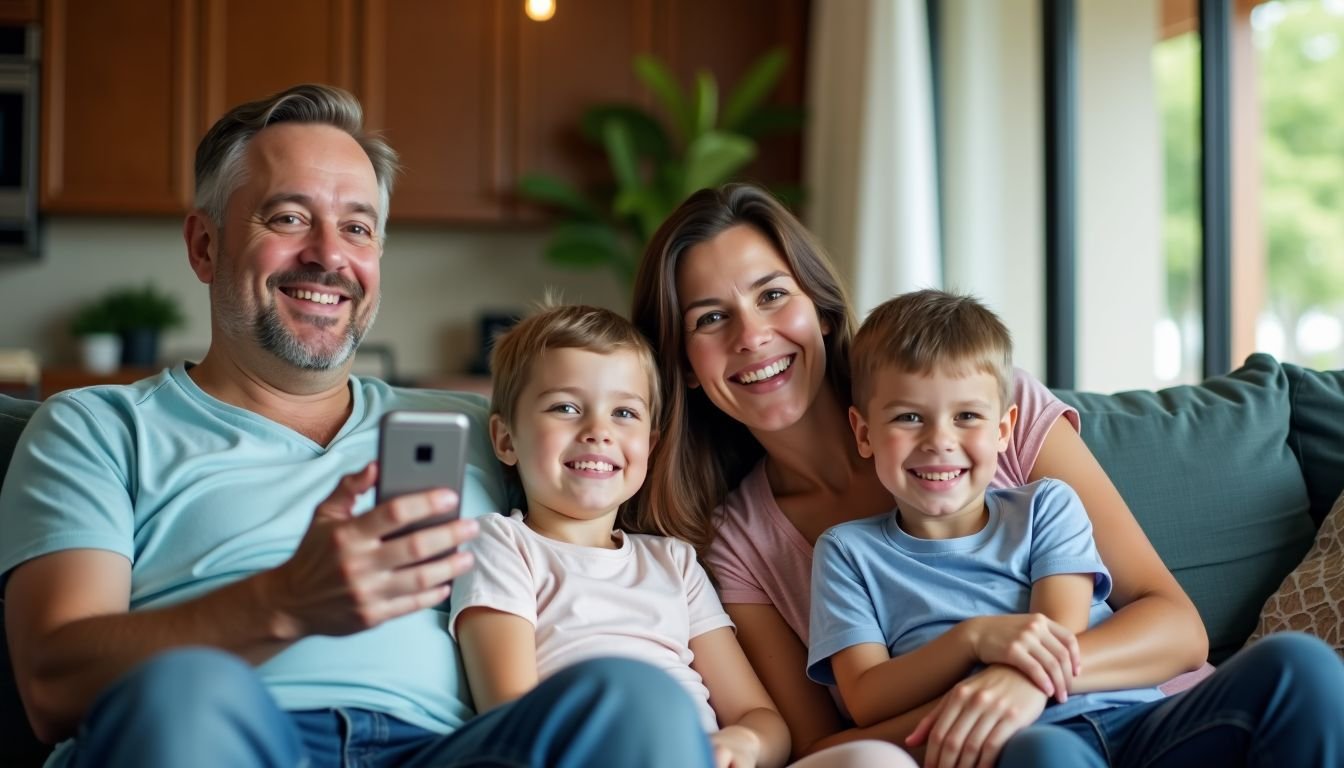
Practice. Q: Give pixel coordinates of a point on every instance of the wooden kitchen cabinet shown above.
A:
(20, 11)
(117, 98)
(253, 48)
(582, 56)
(130, 86)
(727, 38)
(471, 93)
(433, 84)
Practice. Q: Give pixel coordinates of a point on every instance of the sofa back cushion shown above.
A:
(18, 746)
(1208, 471)
(1318, 433)
(14, 414)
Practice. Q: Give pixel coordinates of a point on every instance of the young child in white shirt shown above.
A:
(574, 411)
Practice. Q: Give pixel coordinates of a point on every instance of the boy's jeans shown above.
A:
(1278, 703)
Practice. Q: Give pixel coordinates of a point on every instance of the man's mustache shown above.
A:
(326, 279)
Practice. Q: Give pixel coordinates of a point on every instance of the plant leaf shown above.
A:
(658, 78)
(706, 110)
(556, 193)
(646, 131)
(582, 245)
(646, 206)
(621, 155)
(754, 87)
(713, 158)
(772, 119)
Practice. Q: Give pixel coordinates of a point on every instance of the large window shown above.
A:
(1178, 334)
(1287, 76)
(1298, 301)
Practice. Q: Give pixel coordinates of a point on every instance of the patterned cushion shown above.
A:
(1311, 598)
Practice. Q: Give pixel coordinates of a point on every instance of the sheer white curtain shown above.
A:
(870, 168)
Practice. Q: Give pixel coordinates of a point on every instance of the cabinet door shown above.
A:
(253, 48)
(432, 84)
(19, 11)
(116, 134)
(727, 38)
(582, 56)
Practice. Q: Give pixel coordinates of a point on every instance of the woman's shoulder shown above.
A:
(750, 495)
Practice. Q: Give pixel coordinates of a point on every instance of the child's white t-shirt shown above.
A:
(644, 600)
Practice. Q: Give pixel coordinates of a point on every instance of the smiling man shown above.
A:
(194, 570)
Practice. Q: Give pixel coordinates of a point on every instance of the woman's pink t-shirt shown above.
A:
(759, 557)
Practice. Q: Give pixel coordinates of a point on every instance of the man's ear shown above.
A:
(202, 245)
(1006, 423)
(502, 441)
(860, 427)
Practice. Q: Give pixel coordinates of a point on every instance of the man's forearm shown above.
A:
(68, 667)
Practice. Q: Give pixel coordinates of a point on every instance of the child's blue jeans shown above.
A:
(203, 707)
(1277, 703)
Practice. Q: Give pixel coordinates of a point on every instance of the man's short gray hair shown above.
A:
(220, 166)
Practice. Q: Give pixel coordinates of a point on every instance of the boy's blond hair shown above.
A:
(564, 326)
(930, 330)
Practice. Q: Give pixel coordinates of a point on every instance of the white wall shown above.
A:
(435, 282)
(993, 185)
(1121, 271)
(993, 163)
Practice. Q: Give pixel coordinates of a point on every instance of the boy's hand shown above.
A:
(1045, 651)
(971, 723)
(735, 747)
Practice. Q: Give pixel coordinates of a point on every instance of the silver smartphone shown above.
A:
(420, 450)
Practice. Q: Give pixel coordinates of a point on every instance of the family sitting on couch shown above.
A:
(195, 571)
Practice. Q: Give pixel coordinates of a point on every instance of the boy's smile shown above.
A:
(935, 440)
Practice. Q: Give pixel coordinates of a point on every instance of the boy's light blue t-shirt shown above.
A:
(874, 583)
(198, 494)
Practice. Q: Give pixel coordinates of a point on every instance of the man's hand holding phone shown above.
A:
(351, 572)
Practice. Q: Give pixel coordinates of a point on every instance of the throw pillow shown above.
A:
(1311, 599)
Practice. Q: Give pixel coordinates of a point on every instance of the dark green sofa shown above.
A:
(1229, 479)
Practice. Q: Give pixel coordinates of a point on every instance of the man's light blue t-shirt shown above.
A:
(198, 494)
(874, 583)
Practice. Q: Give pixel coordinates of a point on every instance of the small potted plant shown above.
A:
(142, 315)
(98, 335)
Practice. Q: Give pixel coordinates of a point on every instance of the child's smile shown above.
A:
(935, 440)
(580, 440)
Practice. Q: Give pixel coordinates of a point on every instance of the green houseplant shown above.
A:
(654, 165)
(142, 314)
(98, 336)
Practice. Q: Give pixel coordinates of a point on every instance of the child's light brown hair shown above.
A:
(564, 326)
(930, 330)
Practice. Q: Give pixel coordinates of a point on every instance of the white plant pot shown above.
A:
(100, 352)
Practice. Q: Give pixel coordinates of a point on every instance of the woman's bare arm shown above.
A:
(1156, 633)
(780, 661)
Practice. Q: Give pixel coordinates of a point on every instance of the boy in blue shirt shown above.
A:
(905, 605)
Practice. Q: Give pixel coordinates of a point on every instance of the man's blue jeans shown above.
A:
(203, 707)
(1279, 704)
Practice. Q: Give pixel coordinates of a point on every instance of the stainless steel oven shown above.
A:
(19, 68)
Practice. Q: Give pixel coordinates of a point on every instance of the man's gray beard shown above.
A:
(270, 333)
